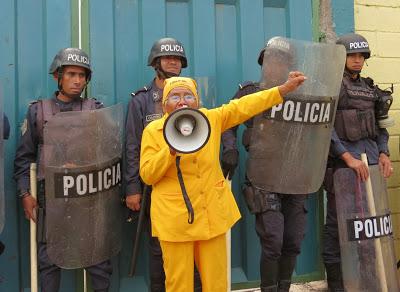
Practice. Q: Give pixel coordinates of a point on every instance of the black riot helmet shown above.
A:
(279, 46)
(167, 47)
(70, 57)
(355, 43)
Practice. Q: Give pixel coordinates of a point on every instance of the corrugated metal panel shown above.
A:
(222, 39)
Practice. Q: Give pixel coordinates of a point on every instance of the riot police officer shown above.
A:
(72, 72)
(359, 98)
(280, 218)
(167, 57)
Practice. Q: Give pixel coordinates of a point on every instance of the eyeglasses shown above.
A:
(176, 98)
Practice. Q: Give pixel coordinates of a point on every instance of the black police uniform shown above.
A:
(27, 153)
(144, 107)
(280, 222)
(356, 96)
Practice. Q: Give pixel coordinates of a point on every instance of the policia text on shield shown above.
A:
(214, 208)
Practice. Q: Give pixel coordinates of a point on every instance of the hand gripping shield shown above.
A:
(82, 183)
(289, 143)
(365, 232)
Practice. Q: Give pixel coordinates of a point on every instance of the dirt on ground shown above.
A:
(319, 286)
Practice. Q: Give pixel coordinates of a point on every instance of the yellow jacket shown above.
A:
(215, 209)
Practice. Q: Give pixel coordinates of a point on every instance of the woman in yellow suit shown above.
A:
(215, 209)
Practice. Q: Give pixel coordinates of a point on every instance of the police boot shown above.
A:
(334, 277)
(273, 288)
(286, 268)
(269, 274)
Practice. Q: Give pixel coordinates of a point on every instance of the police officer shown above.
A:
(350, 138)
(280, 218)
(71, 70)
(167, 57)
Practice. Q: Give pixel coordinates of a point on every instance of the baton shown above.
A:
(136, 243)
(378, 244)
(34, 278)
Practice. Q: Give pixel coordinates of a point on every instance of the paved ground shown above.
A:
(317, 286)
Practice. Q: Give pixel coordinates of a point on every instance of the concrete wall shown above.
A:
(379, 22)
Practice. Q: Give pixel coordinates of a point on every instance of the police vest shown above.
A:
(355, 115)
(46, 109)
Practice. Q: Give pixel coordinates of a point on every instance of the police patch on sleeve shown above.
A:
(24, 127)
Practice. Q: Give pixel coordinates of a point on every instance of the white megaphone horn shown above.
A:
(186, 130)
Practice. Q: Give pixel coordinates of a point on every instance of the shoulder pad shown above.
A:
(34, 101)
(369, 81)
(143, 89)
(247, 84)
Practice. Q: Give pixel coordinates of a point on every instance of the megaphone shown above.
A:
(186, 130)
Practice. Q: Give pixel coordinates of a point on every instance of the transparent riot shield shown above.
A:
(2, 201)
(290, 142)
(365, 232)
(206, 88)
(82, 153)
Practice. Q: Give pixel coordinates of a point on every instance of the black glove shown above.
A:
(229, 162)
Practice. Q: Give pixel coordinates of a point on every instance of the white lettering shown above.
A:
(92, 189)
(386, 224)
(81, 184)
(321, 112)
(107, 181)
(326, 114)
(377, 233)
(358, 227)
(369, 232)
(171, 48)
(358, 45)
(78, 58)
(118, 173)
(288, 110)
(313, 115)
(297, 117)
(307, 110)
(275, 109)
(68, 182)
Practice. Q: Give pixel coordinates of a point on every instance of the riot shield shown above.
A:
(2, 202)
(206, 88)
(290, 142)
(365, 232)
(82, 153)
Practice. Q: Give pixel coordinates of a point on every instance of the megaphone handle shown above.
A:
(188, 204)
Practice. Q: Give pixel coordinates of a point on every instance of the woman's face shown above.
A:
(180, 97)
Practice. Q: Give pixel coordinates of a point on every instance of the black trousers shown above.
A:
(281, 233)
(50, 274)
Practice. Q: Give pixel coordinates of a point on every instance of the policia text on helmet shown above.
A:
(357, 49)
(73, 78)
(168, 48)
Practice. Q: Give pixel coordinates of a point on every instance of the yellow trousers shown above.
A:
(209, 256)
